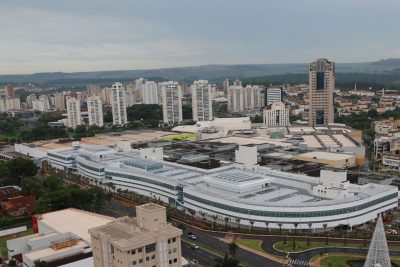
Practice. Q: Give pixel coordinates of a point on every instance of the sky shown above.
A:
(93, 35)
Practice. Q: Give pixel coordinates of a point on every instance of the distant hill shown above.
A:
(214, 73)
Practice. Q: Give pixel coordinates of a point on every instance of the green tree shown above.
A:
(32, 187)
(233, 247)
(227, 261)
(52, 183)
(18, 168)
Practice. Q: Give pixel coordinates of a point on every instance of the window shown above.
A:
(140, 250)
(150, 248)
(140, 260)
(170, 261)
(175, 260)
(153, 257)
(174, 239)
(133, 262)
(147, 258)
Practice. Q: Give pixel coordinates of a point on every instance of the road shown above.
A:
(202, 256)
(117, 209)
(213, 242)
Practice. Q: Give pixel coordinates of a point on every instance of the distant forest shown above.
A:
(384, 73)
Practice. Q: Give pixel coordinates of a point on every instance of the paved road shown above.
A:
(202, 256)
(242, 254)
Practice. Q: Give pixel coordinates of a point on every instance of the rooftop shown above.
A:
(74, 221)
(282, 187)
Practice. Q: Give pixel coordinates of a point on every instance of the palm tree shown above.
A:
(280, 228)
(214, 217)
(237, 220)
(294, 236)
(226, 221)
(266, 226)
(203, 215)
(232, 248)
(226, 261)
(308, 237)
(326, 235)
(252, 223)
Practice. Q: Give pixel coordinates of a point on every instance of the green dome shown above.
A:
(277, 135)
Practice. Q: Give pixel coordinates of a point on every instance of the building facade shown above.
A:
(202, 101)
(242, 99)
(74, 112)
(95, 111)
(276, 114)
(278, 198)
(149, 92)
(147, 240)
(321, 87)
(272, 95)
(171, 102)
(118, 104)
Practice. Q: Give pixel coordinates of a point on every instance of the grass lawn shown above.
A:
(302, 245)
(337, 261)
(3, 243)
(340, 260)
(251, 243)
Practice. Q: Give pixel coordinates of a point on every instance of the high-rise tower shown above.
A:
(321, 86)
(201, 101)
(118, 103)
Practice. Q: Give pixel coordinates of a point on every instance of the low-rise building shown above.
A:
(59, 238)
(147, 240)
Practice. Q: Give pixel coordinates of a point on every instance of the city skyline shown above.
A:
(70, 36)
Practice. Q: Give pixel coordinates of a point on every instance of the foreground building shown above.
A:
(201, 101)
(244, 192)
(147, 240)
(321, 87)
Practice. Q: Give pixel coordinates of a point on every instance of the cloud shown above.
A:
(72, 35)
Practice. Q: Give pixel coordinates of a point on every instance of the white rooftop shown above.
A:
(74, 221)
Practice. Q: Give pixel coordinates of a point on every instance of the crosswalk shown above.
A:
(295, 262)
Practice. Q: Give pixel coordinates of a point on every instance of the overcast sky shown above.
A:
(85, 35)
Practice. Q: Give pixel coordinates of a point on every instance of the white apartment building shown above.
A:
(74, 112)
(243, 98)
(106, 95)
(172, 102)
(202, 101)
(273, 95)
(95, 111)
(29, 99)
(276, 114)
(40, 105)
(93, 89)
(59, 101)
(149, 92)
(118, 104)
(7, 104)
(131, 95)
